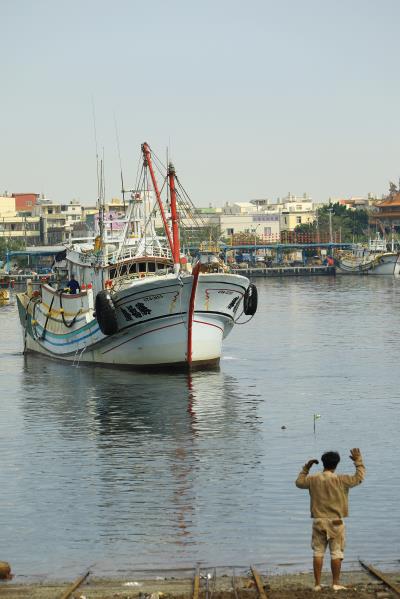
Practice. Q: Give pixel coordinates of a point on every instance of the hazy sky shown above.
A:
(256, 98)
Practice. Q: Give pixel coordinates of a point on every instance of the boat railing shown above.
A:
(123, 280)
(80, 257)
(130, 252)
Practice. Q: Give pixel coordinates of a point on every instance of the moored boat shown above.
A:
(4, 296)
(140, 302)
(6, 283)
(373, 260)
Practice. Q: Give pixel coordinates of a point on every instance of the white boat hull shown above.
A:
(153, 322)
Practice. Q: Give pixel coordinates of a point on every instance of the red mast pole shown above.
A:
(175, 218)
(148, 162)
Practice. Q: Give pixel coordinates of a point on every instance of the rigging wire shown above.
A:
(159, 165)
(146, 195)
(139, 175)
(191, 213)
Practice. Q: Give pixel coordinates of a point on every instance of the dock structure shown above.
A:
(23, 278)
(281, 247)
(286, 271)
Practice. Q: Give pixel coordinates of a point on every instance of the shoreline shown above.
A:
(361, 585)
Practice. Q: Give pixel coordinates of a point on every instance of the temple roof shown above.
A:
(390, 201)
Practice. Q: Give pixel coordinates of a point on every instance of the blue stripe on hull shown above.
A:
(63, 343)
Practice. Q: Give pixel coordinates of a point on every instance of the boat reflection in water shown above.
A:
(130, 459)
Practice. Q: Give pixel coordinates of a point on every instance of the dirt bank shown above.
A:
(293, 586)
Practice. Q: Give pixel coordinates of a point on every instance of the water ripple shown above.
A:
(126, 469)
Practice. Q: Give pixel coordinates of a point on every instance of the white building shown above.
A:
(7, 206)
(73, 212)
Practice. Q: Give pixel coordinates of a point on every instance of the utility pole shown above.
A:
(330, 210)
(255, 242)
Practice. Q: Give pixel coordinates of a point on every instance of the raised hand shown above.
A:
(310, 464)
(355, 454)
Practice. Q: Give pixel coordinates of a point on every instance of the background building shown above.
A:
(7, 206)
(25, 202)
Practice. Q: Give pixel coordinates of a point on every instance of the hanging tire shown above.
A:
(250, 300)
(105, 313)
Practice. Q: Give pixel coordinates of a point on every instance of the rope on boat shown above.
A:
(246, 321)
(43, 335)
(33, 321)
(72, 322)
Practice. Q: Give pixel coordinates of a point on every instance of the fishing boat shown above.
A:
(372, 260)
(141, 302)
(4, 295)
(6, 283)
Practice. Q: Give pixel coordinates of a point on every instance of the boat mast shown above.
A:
(102, 229)
(175, 219)
(148, 162)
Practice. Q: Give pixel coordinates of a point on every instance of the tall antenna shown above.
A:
(120, 163)
(103, 178)
(97, 153)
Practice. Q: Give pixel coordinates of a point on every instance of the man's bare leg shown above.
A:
(336, 565)
(317, 564)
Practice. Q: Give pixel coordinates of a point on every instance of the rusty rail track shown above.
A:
(259, 583)
(381, 576)
(75, 585)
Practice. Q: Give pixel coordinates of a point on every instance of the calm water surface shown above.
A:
(129, 471)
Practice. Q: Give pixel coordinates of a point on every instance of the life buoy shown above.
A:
(105, 313)
(250, 300)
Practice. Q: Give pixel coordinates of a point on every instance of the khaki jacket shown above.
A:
(329, 491)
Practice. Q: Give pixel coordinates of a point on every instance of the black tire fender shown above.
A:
(250, 300)
(105, 313)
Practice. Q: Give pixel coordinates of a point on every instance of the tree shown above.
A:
(352, 224)
(11, 245)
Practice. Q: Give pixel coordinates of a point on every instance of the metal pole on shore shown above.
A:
(330, 210)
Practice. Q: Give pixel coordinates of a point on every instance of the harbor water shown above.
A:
(129, 471)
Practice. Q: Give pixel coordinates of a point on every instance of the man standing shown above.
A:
(73, 285)
(328, 506)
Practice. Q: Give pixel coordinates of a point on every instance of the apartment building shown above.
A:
(22, 225)
(25, 202)
(7, 206)
(266, 219)
(24, 228)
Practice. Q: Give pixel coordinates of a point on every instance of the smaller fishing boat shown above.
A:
(6, 283)
(4, 296)
(371, 260)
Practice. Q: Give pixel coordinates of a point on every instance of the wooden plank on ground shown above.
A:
(259, 583)
(234, 584)
(196, 584)
(378, 574)
(75, 585)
